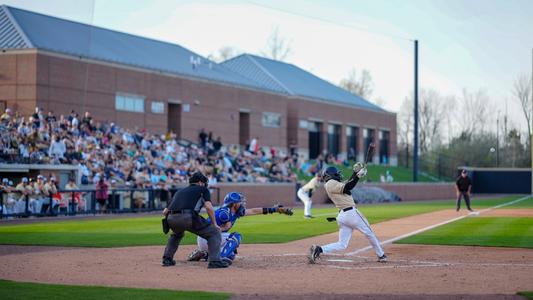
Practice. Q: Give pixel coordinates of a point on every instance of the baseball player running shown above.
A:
(349, 217)
(306, 192)
(226, 216)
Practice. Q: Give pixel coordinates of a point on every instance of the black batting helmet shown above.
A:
(197, 177)
(331, 173)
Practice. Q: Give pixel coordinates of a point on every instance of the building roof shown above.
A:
(20, 29)
(290, 79)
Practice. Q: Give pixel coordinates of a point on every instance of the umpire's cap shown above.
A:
(197, 177)
(331, 173)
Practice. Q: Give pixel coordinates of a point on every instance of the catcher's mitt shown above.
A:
(284, 210)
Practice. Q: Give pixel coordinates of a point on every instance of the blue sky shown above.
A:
(463, 44)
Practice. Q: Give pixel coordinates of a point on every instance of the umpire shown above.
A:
(463, 186)
(183, 215)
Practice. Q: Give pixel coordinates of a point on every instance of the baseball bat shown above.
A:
(369, 152)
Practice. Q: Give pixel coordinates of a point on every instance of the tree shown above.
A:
(405, 125)
(361, 86)
(431, 112)
(277, 47)
(474, 112)
(223, 54)
(522, 92)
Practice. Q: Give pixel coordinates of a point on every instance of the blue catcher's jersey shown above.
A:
(224, 215)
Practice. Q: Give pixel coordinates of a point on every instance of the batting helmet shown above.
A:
(198, 177)
(331, 173)
(233, 197)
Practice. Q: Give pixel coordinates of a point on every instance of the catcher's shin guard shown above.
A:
(230, 248)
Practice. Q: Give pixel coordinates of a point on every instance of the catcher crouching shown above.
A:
(233, 208)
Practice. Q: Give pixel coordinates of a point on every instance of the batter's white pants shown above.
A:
(202, 243)
(348, 221)
(304, 197)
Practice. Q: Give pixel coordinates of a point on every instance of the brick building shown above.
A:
(61, 65)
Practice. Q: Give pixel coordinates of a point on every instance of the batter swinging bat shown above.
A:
(369, 153)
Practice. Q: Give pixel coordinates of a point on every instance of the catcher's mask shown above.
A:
(331, 173)
(233, 197)
(198, 177)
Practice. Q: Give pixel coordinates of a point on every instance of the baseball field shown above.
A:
(434, 253)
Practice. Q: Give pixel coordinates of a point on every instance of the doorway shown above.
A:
(244, 128)
(174, 119)
(315, 141)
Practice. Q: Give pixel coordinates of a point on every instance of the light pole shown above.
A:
(498, 140)
(415, 146)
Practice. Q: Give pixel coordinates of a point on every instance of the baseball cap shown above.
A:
(24, 179)
(52, 178)
(5, 180)
(464, 171)
(40, 177)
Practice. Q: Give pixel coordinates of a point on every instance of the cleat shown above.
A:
(217, 265)
(314, 253)
(309, 217)
(227, 260)
(167, 262)
(197, 255)
(382, 259)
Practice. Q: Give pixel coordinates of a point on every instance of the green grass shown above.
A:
(400, 174)
(142, 231)
(528, 294)
(25, 290)
(528, 203)
(480, 231)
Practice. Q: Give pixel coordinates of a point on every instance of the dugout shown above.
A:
(499, 180)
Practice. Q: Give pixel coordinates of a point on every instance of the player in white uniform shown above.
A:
(349, 217)
(305, 193)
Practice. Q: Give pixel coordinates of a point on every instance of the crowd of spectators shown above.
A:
(134, 157)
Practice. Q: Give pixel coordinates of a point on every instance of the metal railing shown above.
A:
(85, 201)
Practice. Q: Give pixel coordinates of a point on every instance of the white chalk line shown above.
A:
(392, 240)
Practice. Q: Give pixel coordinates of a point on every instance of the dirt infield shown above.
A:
(280, 271)
(508, 212)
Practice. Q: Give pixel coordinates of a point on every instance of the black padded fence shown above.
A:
(500, 181)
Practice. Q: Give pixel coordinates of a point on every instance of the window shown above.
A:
(271, 119)
(333, 139)
(158, 107)
(129, 103)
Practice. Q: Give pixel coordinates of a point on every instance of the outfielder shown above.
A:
(226, 216)
(306, 192)
(349, 217)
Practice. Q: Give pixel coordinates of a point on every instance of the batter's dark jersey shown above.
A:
(191, 197)
(463, 183)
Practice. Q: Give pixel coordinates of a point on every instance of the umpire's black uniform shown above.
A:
(183, 215)
(463, 184)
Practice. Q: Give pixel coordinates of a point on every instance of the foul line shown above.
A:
(392, 240)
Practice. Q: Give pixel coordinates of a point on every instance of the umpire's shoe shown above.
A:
(314, 253)
(217, 264)
(167, 262)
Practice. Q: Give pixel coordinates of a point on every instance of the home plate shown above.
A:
(340, 260)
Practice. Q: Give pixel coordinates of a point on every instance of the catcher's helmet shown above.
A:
(198, 177)
(233, 197)
(331, 173)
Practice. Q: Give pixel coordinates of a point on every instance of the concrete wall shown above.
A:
(259, 195)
